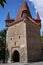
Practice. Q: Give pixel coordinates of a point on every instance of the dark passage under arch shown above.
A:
(15, 56)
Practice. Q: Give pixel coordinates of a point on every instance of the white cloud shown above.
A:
(38, 4)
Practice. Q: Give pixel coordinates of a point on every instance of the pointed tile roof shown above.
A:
(8, 16)
(38, 17)
(23, 7)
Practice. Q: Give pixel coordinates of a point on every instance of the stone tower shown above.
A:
(23, 42)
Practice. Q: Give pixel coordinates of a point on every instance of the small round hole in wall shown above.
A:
(11, 38)
(19, 37)
(15, 25)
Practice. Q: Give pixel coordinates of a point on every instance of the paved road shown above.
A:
(37, 63)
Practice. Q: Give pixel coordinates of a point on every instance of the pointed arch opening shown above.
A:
(15, 56)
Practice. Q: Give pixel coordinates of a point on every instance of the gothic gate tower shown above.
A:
(23, 36)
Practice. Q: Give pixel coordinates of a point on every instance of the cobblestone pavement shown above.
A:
(36, 63)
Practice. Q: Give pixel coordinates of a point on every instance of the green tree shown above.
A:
(2, 44)
(2, 2)
(42, 40)
(42, 44)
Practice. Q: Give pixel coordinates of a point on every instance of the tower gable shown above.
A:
(23, 12)
(23, 9)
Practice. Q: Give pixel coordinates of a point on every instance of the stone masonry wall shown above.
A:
(33, 41)
(16, 40)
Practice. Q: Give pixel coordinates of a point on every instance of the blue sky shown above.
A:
(12, 7)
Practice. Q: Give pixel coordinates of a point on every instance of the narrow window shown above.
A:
(15, 43)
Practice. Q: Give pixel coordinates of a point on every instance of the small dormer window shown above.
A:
(24, 13)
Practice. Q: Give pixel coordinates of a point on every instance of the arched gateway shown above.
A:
(23, 34)
(15, 56)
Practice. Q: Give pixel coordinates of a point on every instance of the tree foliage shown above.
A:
(42, 40)
(2, 44)
(2, 2)
(42, 45)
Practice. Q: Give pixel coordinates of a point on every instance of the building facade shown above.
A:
(23, 41)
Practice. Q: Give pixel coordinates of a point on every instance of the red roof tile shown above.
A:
(38, 17)
(23, 7)
(18, 18)
(8, 16)
(31, 19)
